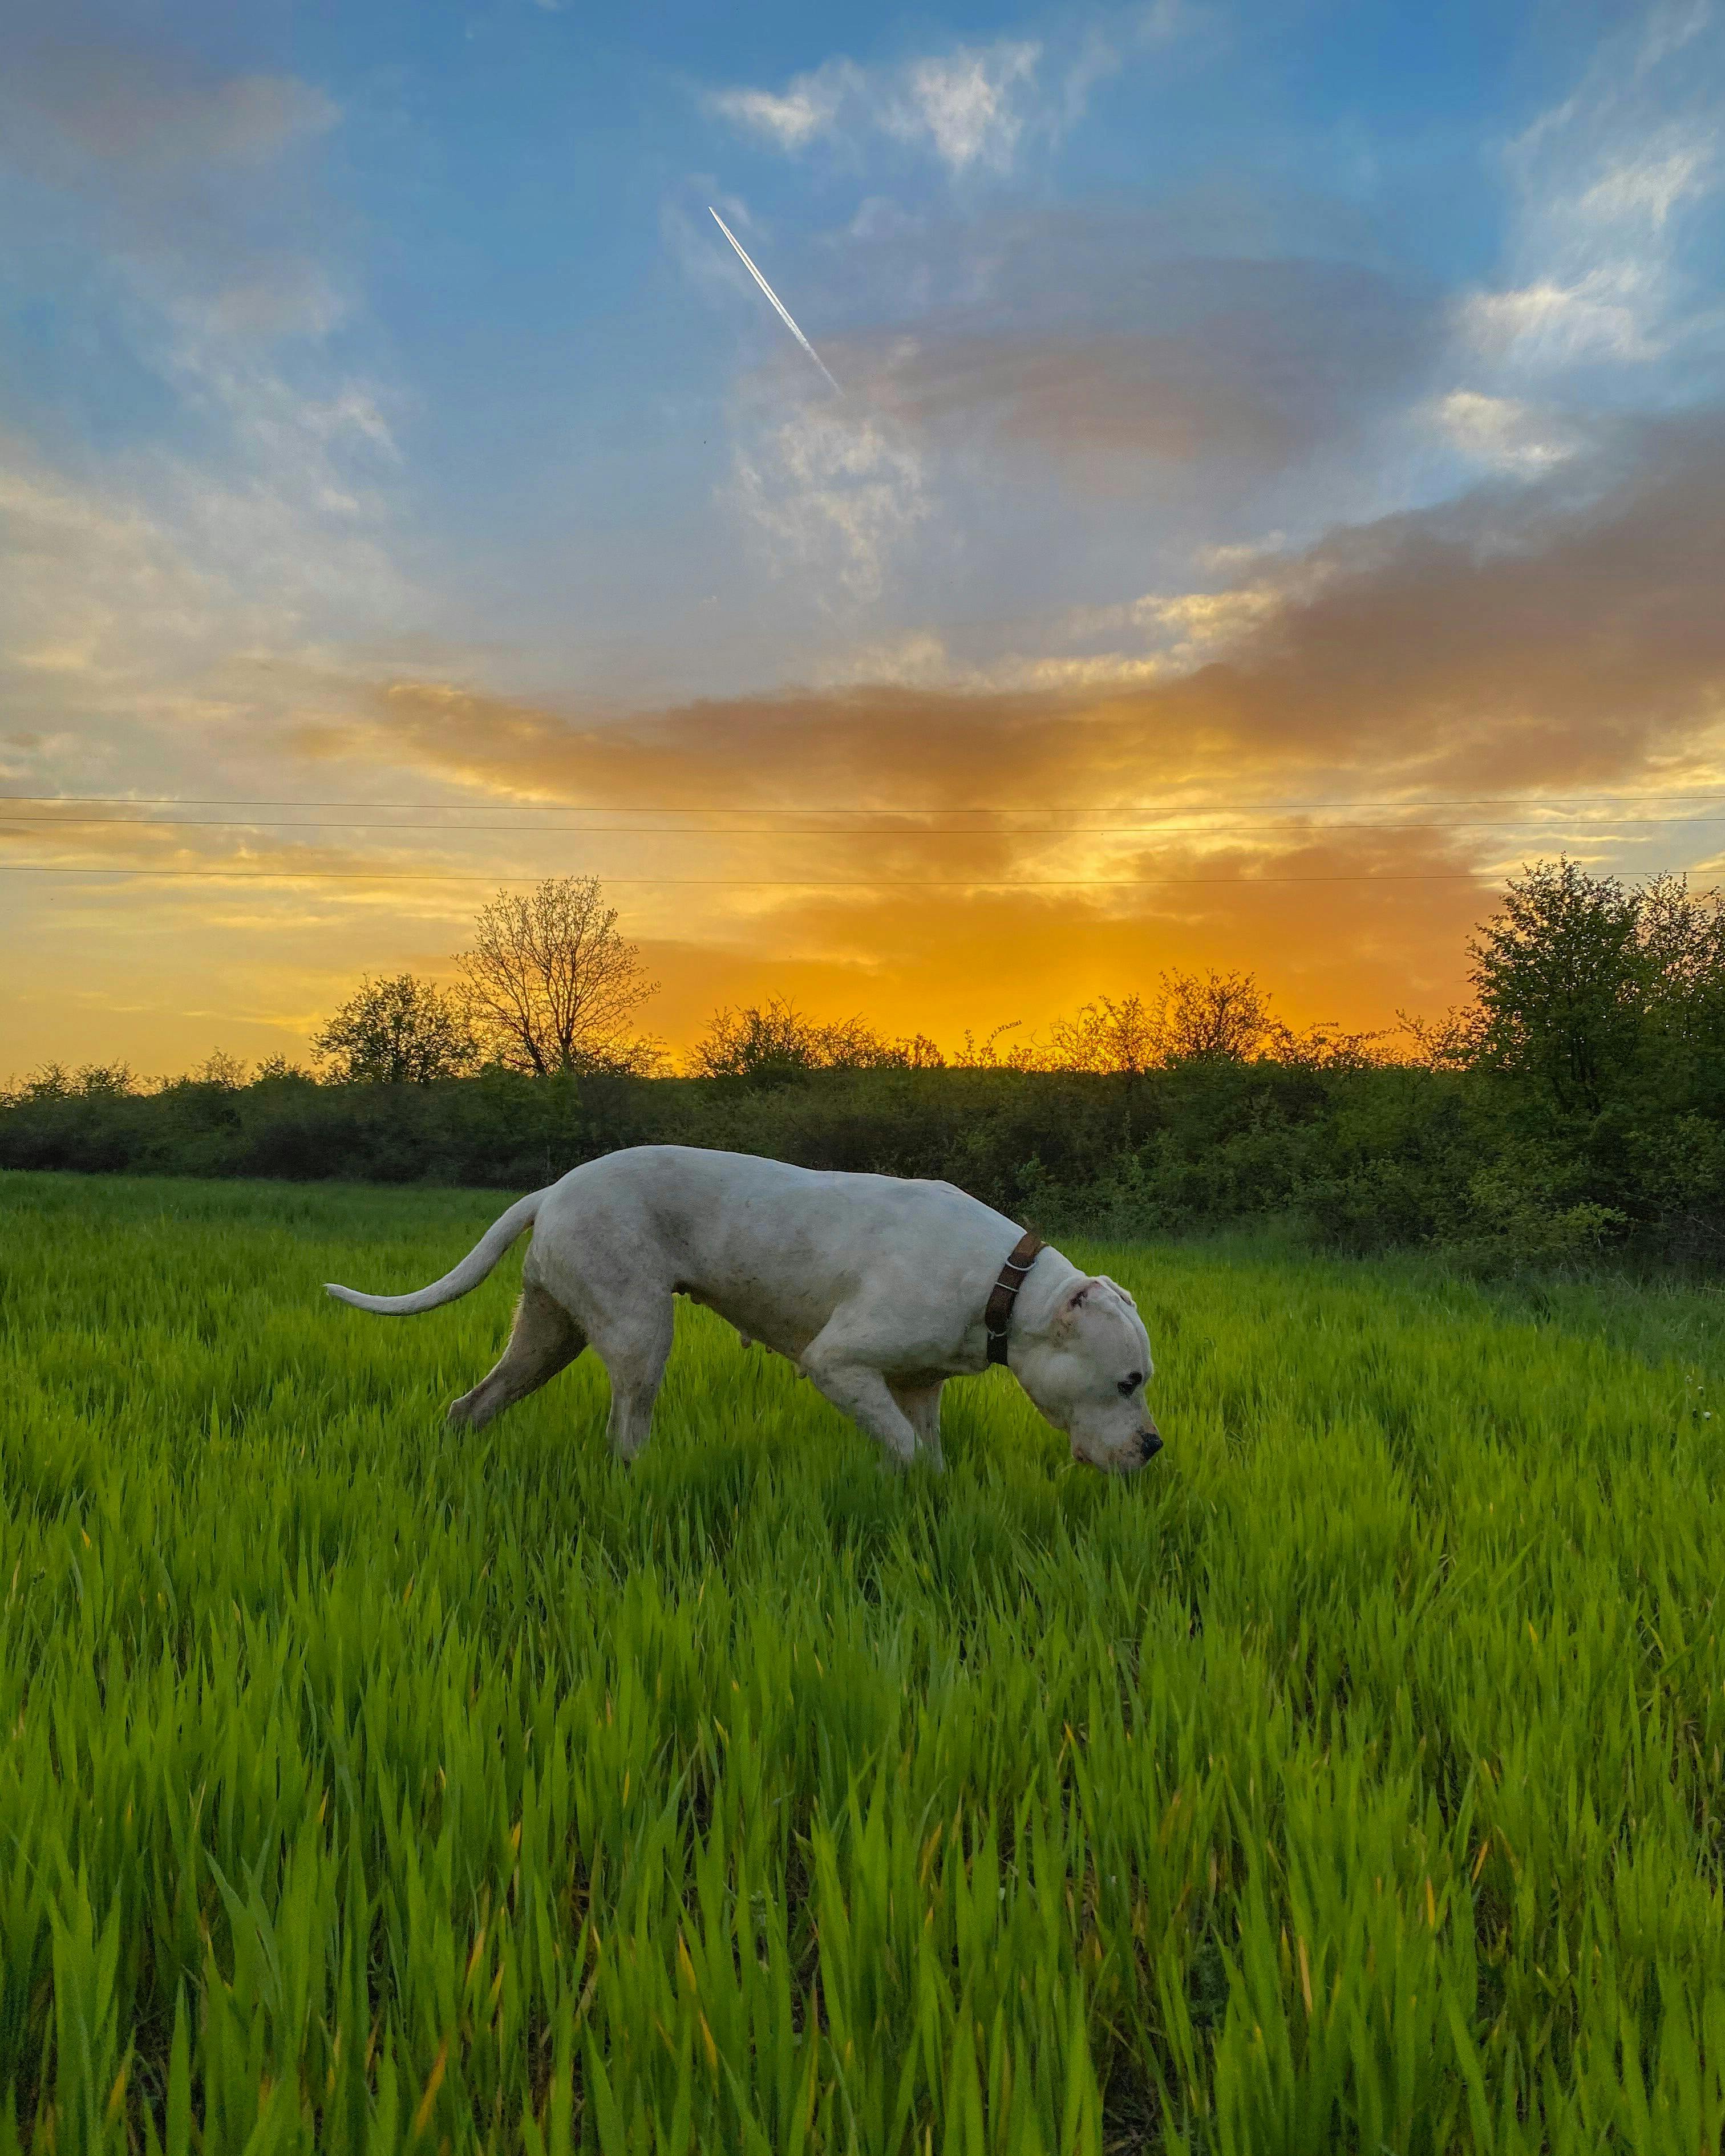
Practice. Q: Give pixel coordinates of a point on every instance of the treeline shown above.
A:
(1577, 1101)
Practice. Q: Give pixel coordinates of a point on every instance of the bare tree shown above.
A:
(550, 985)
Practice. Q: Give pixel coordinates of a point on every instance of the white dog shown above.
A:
(878, 1290)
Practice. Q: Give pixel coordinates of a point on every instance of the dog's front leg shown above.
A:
(920, 1407)
(861, 1393)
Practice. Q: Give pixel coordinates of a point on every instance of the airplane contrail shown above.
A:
(784, 312)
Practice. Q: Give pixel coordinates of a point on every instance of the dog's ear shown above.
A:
(1124, 1294)
(1076, 1302)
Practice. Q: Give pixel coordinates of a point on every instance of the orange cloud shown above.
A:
(1565, 637)
(1545, 638)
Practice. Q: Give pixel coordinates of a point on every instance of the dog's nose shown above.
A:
(1149, 1444)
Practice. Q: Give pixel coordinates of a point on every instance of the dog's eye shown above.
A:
(1128, 1386)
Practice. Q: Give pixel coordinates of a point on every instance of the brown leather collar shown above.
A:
(997, 1317)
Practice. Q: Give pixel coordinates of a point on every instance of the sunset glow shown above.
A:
(1278, 488)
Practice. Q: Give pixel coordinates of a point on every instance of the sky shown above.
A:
(1263, 481)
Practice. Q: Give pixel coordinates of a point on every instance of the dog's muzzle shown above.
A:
(1149, 1444)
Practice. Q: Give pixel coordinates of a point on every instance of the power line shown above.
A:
(763, 808)
(740, 883)
(808, 831)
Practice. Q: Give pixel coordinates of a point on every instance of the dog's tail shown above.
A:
(471, 1271)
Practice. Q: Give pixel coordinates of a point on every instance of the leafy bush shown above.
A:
(1579, 1102)
(1366, 1159)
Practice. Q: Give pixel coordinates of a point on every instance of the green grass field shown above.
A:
(1351, 1780)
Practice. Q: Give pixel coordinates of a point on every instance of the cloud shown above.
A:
(1089, 339)
(1640, 192)
(178, 585)
(96, 592)
(1568, 626)
(968, 104)
(1546, 326)
(1043, 406)
(275, 294)
(1185, 627)
(832, 497)
(971, 108)
(1607, 264)
(907, 923)
(75, 106)
(184, 179)
(1081, 346)
(1086, 351)
(1505, 638)
(166, 970)
(1559, 633)
(1504, 433)
(152, 600)
(807, 108)
(241, 507)
(1390, 930)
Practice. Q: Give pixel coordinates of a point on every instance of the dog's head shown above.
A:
(1086, 1369)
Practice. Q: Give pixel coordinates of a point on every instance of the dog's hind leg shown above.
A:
(634, 1347)
(543, 1340)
